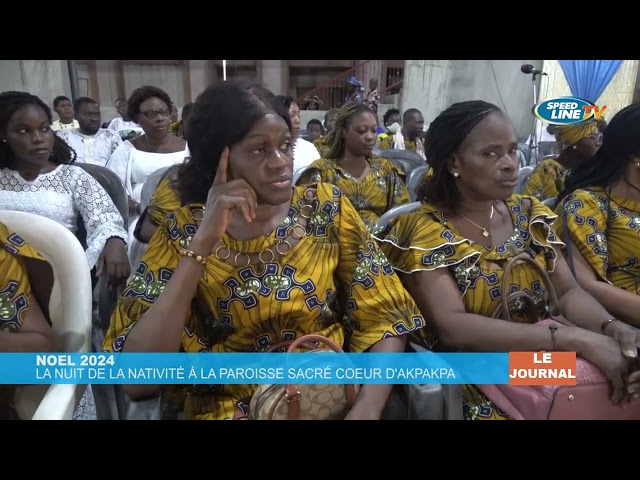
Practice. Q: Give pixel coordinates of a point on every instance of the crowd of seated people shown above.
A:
(229, 219)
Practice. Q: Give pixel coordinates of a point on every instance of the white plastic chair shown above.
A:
(69, 309)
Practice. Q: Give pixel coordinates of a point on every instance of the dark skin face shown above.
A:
(64, 109)
(30, 137)
(264, 158)
(360, 134)
(89, 118)
(314, 131)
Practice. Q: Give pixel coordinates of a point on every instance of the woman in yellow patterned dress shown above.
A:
(163, 201)
(451, 251)
(602, 207)
(373, 185)
(23, 327)
(285, 261)
(577, 143)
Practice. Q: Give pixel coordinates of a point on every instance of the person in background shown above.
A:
(63, 107)
(354, 90)
(408, 138)
(91, 143)
(304, 152)
(373, 185)
(329, 122)
(124, 125)
(391, 123)
(576, 144)
(178, 128)
(314, 130)
(373, 97)
(599, 218)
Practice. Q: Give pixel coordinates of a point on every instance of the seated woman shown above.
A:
(451, 253)
(37, 176)
(135, 160)
(289, 261)
(373, 185)
(601, 206)
(23, 327)
(576, 143)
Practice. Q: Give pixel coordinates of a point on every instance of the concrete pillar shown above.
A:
(273, 76)
(426, 86)
(45, 78)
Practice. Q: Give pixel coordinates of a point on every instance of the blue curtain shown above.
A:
(588, 78)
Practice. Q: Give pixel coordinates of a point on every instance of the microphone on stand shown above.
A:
(529, 69)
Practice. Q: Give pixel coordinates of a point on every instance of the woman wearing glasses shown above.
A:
(136, 159)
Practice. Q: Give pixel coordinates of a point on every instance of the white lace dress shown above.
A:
(62, 195)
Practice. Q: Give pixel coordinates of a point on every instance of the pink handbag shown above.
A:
(589, 399)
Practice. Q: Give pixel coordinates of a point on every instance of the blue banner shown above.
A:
(254, 368)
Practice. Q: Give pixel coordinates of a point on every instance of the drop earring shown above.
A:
(456, 174)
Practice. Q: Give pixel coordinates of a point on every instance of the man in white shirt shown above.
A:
(91, 143)
(124, 125)
(62, 106)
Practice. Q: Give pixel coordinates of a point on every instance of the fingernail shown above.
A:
(635, 395)
(630, 353)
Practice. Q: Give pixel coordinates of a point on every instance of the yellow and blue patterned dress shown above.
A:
(382, 189)
(15, 290)
(547, 180)
(425, 239)
(334, 282)
(606, 231)
(164, 199)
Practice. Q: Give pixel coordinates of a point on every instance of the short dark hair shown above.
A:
(141, 95)
(82, 101)
(58, 99)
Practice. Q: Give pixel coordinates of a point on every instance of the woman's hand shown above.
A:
(223, 200)
(605, 353)
(626, 335)
(629, 339)
(114, 258)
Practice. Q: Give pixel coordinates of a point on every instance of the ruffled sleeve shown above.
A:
(543, 231)
(421, 240)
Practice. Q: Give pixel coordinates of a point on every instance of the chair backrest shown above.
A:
(550, 202)
(150, 185)
(546, 149)
(407, 160)
(70, 308)
(389, 215)
(414, 179)
(523, 175)
(113, 186)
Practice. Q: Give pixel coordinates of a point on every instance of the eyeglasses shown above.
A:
(150, 114)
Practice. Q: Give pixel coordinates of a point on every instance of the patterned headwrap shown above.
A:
(569, 135)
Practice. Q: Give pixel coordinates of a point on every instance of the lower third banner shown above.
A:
(254, 368)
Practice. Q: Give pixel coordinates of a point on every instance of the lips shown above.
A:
(510, 182)
(40, 151)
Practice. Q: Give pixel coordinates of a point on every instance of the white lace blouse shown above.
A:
(62, 195)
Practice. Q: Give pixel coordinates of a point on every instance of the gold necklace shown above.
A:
(485, 232)
(296, 231)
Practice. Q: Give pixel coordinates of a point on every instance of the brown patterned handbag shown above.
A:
(303, 402)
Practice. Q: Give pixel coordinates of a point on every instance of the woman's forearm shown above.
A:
(622, 304)
(375, 396)
(583, 310)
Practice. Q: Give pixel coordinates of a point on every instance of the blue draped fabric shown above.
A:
(588, 78)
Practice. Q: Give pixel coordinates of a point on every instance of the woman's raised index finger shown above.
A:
(223, 164)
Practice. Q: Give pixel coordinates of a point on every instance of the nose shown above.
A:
(38, 137)
(278, 160)
(510, 162)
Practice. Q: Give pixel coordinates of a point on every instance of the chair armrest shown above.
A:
(59, 403)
